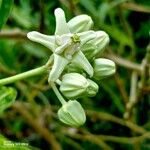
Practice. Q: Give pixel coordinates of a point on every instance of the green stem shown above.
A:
(58, 82)
(61, 99)
(24, 75)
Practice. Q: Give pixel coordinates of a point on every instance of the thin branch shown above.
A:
(13, 34)
(24, 75)
(34, 123)
(112, 118)
(133, 96)
(121, 87)
(135, 7)
(124, 63)
(109, 138)
(88, 137)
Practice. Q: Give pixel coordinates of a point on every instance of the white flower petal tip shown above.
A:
(87, 36)
(46, 40)
(61, 24)
(32, 35)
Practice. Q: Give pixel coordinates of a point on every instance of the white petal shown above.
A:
(61, 25)
(61, 48)
(86, 36)
(47, 41)
(80, 60)
(57, 68)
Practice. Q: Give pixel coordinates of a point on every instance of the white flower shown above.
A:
(65, 45)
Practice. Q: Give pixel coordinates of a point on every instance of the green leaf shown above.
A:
(6, 6)
(7, 97)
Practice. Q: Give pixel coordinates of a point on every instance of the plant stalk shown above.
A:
(24, 75)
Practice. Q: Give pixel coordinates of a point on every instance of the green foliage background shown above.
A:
(128, 25)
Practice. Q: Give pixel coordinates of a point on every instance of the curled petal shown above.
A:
(80, 60)
(80, 23)
(57, 68)
(47, 41)
(86, 36)
(101, 40)
(61, 25)
(61, 48)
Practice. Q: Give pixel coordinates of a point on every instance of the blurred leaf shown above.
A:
(105, 7)
(116, 100)
(89, 5)
(6, 6)
(35, 50)
(22, 15)
(118, 35)
(7, 53)
(7, 97)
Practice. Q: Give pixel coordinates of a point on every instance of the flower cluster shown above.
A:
(74, 65)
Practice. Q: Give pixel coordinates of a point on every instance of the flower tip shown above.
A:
(58, 11)
(31, 34)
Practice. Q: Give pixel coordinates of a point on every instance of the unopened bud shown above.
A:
(74, 85)
(103, 68)
(80, 23)
(96, 45)
(72, 114)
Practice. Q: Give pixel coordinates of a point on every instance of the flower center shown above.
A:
(75, 38)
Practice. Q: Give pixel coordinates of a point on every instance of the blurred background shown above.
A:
(118, 117)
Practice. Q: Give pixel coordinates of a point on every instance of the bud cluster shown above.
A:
(75, 66)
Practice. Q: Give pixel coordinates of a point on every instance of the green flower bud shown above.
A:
(74, 85)
(103, 68)
(96, 45)
(101, 40)
(80, 23)
(92, 89)
(89, 50)
(74, 68)
(72, 114)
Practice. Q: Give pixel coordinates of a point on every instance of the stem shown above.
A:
(58, 82)
(24, 75)
(61, 99)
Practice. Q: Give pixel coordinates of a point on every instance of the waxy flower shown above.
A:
(75, 85)
(74, 46)
(72, 114)
(66, 46)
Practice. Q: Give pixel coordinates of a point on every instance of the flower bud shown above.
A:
(101, 40)
(73, 68)
(74, 85)
(92, 89)
(96, 45)
(89, 50)
(80, 23)
(103, 68)
(72, 114)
